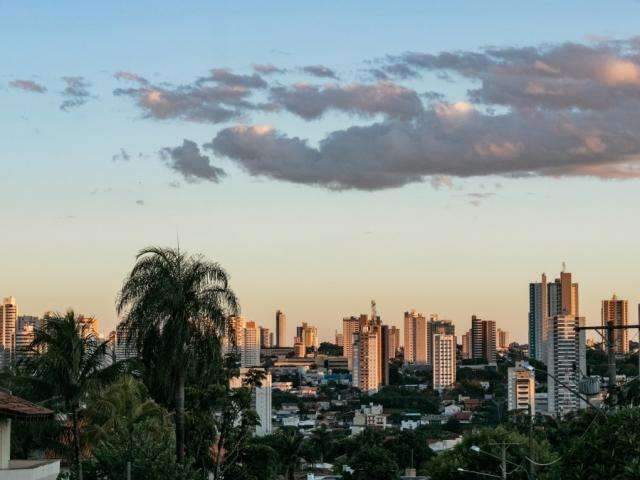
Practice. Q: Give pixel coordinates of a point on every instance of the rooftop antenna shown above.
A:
(374, 311)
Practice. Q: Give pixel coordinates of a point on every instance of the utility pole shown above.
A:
(532, 467)
(504, 461)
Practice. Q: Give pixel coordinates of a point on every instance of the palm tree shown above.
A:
(289, 445)
(172, 304)
(67, 359)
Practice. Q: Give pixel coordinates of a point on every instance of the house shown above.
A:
(369, 416)
(17, 409)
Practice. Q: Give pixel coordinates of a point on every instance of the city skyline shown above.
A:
(106, 150)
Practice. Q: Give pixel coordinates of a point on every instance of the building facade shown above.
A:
(281, 329)
(521, 389)
(615, 310)
(444, 361)
(415, 338)
(8, 320)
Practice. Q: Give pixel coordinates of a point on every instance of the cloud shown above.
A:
(311, 101)
(557, 76)
(140, 202)
(453, 140)
(121, 156)
(218, 98)
(28, 86)
(187, 160)
(267, 69)
(130, 77)
(76, 93)
(320, 71)
(223, 76)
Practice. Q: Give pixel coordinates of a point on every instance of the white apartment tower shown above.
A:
(566, 361)
(444, 361)
(8, 319)
(250, 353)
(521, 389)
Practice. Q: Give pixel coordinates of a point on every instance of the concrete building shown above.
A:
(8, 320)
(122, 348)
(437, 326)
(483, 339)
(444, 361)
(265, 337)
(394, 342)
(521, 389)
(415, 338)
(369, 416)
(24, 336)
(339, 339)
(566, 362)
(503, 340)
(250, 354)
(366, 365)
(350, 326)
(299, 350)
(281, 329)
(616, 310)
(261, 399)
(309, 335)
(467, 345)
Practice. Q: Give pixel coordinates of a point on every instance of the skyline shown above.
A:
(106, 149)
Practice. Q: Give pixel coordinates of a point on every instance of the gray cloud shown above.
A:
(121, 156)
(223, 76)
(76, 92)
(130, 77)
(28, 86)
(320, 71)
(140, 202)
(267, 69)
(311, 101)
(450, 139)
(228, 98)
(187, 160)
(561, 76)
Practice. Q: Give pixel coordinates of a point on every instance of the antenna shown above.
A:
(564, 267)
(374, 311)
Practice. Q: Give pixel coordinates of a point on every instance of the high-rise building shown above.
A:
(122, 347)
(616, 311)
(24, 336)
(437, 326)
(299, 350)
(566, 362)
(521, 389)
(394, 342)
(32, 320)
(503, 340)
(350, 326)
(339, 339)
(8, 320)
(261, 400)
(281, 329)
(546, 300)
(483, 339)
(415, 338)
(467, 348)
(366, 351)
(250, 356)
(89, 325)
(444, 361)
(384, 347)
(309, 335)
(265, 337)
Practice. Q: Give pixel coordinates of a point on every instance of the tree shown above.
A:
(288, 444)
(67, 359)
(373, 462)
(175, 310)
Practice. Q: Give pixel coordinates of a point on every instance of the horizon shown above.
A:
(324, 156)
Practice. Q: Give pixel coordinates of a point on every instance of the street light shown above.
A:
(462, 470)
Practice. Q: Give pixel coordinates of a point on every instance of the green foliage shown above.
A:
(330, 349)
(373, 462)
(445, 466)
(607, 447)
(406, 399)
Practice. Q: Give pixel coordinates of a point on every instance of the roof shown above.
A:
(16, 407)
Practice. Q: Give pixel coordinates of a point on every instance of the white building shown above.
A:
(369, 416)
(260, 400)
(444, 361)
(365, 362)
(8, 319)
(521, 388)
(566, 362)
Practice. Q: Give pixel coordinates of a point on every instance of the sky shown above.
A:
(428, 155)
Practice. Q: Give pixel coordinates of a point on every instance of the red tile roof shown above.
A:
(16, 407)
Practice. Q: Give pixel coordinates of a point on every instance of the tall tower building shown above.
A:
(339, 339)
(265, 337)
(467, 349)
(444, 361)
(123, 349)
(483, 339)
(309, 335)
(394, 342)
(24, 336)
(616, 311)
(366, 349)
(538, 315)
(250, 356)
(415, 338)
(436, 326)
(566, 362)
(503, 340)
(281, 329)
(8, 319)
(521, 389)
(350, 327)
